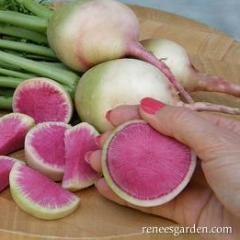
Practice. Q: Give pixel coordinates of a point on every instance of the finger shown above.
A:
(93, 158)
(221, 121)
(102, 138)
(186, 126)
(184, 209)
(122, 114)
(105, 191)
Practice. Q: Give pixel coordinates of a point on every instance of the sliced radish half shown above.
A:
(44, 100)
(145, 167)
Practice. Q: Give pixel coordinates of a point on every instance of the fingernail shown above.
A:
(108, 115)
(87, 157)
(150, 105)
(98, 140)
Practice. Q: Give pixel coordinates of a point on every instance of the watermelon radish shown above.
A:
(44, 149)
(86, 33)
(6, 164)
(127, 81)
(177, 59)
(118, 82)
(38, 195)
(144, 167)
(78, 141)
(13, 129)
(43, 99)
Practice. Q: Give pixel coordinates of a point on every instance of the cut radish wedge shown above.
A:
(45, 150)
(6, 164)
(78, 141)
(38, 195)
(13, 129)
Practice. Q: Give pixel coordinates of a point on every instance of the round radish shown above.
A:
(144, 167)
(45, 150)
(13, 129)
(177, 59)
(43, 99)
(78, 141)
(117, 82)
(126, 81)
(38, 195)
(85, 33)
(6, 164)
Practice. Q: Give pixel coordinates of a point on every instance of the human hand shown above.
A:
(212, 197)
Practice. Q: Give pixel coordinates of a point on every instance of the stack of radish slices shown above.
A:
(54, 150)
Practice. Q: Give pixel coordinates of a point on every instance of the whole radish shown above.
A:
(127, 81)
(177, 59)
(85, 33)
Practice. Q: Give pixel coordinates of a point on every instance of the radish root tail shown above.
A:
(216, 84)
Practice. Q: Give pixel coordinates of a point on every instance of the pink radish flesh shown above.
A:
(44, 149)
(145, 167)
(43, 99)
(176, 58)
(41, 184)
(6, 164)
(78, 141)
(74, 34)
(40, 196)
(13, 129)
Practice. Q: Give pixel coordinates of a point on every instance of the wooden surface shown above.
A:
(98, 218)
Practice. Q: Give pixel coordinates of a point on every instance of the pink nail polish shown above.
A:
(150, 105)
(108, 115)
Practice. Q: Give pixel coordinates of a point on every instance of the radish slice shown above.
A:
(78, 141)
(43, 99)
(6, 164)
(144, 167)
(45, 150)
(38, 195)
(13, 129)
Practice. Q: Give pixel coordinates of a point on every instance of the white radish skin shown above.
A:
(177, 59)
(118, 82)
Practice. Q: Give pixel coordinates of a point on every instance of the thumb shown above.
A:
(218, 148)
(186, 126)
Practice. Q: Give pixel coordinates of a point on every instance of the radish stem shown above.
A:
(23, 20)
(60, 75)
(10, 82)
(5, 103)
(16, 74)
(23, 33)
(205, 106)
(36, 8)
(138, 51)
(216, 84)
(27, 47)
